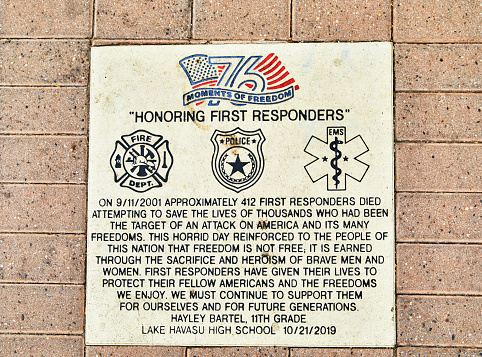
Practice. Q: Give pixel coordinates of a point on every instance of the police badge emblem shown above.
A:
(238, 160)
(141, 161)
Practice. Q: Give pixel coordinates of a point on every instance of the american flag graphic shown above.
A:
(275, 74)
(202, 73)
(199, 71)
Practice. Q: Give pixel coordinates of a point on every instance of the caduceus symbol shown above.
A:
(334, 161)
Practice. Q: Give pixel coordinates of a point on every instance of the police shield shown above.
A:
(238, 160)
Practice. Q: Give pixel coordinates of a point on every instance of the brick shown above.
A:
(436, 21)
(38, 308)
(227, 19)
(334, 20)
(238, 352)
(43, 110)
(42, 208)
(441, 321)
(135, 42)
(42, 258)
(37, 62)
(438, 352)
(41, 18)
(439, 167)
(43, 159)
(431, 217)
(134, 351)
(438, 67)
(153, 19)
(341, 352)
(438, 116)
(439, 268)
(51, 346)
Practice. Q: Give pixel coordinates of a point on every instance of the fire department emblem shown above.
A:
(238, 160)
(141, 161)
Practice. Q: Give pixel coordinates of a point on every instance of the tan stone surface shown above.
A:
(48, 346)
(134, 351)
(109, 323)
(228, 19)
(438, 167)
(41, 308)
(438, 352)
(438, 67)
(36, 62)
(341, 352)
(439, 320)
(439, 269)
(437, 21)
(358, 20)
(43, 159)
(433, 217)
(43, 110)
(42, 208)
(142, 19)
(45, 18)
(42, 258)
(238, 352)
(438, 116)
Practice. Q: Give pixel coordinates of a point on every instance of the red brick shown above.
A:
(42, 208)
(40, 308)
(238, 352)
(439, 269)
(438, 117)
(438, 67)
(439, 320)
(51, 346)
(438, 167)
(135, 42)
(40, 18)
(134, 351)
(42, 258)
(43, 159)
(43, 110)
(432, 217)
(341, 352)
(153, 19)
(37, 62)
(227, 19)
(436, 21)
(318, 20)
(438, 352)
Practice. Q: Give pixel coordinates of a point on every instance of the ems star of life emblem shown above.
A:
(141, 161)
(336, 158)
(238, 160)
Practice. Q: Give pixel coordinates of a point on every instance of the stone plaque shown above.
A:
(241, 195)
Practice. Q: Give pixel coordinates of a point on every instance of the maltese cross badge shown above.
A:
(141, 161)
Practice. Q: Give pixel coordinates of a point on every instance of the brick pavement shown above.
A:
(44, 76)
